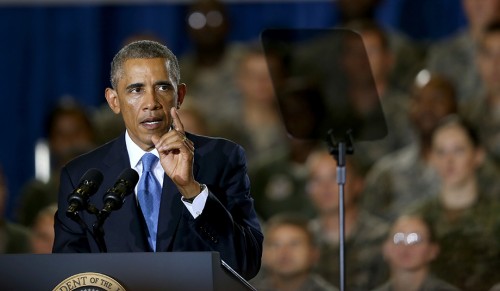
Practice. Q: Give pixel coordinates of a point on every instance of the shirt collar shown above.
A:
(135, 153)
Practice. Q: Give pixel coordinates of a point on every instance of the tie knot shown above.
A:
(147, 161)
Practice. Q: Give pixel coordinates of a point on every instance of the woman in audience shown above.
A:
(465, 219)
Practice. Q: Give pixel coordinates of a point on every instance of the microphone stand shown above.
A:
(339, 149)
(98, 231)
(97, 234)
(112, 201)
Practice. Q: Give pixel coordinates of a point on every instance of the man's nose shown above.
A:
(150, 100)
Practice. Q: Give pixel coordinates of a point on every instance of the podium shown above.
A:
(174, 271)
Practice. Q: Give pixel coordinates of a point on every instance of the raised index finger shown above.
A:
(178, 126)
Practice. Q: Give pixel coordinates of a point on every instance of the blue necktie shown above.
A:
(149, 195)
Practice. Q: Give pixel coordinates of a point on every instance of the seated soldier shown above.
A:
(289, 255)
(409, 249)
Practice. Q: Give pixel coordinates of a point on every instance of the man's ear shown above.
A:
(480, 156)
(433, 251)
(386, 250)
(112, 98)
(314, 255)
(181, 93)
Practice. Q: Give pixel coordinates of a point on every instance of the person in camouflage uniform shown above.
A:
(405, 176)
(409, 56)
(210, 66)
(409, 249)
(278, 181)
(466, 221)
(484, 109)
(394, 101)
(289, 253)
(364, 233)
(454, 57)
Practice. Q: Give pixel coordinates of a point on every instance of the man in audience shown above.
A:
(393, 100)
(69, 133)
(289, 254)
(364, 233)
(405, 176)
(454, 57)
(484, 109)
(279, 179)
(259, 128)
(210, 66)
(408, 55)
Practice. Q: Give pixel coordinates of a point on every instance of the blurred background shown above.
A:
(58, 49)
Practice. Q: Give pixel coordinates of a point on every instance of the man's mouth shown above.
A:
(151, 122)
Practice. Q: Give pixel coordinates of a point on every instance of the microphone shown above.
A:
(125, 184)
(88, 185)
(113, 200)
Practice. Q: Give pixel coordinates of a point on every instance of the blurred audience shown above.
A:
(289, 254)
(409, 249)
(42, 231)
(409, 56)
(364, 233)
(466, 220)
(69, 133)
(454, 58)
(209, 68)
(279, 179)
(484, 108)
(259, 128)
(393, 100)
(192, 118)
(405, 176)
(107, 124)
(69, 129)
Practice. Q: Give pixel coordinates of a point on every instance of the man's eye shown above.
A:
(135, 90)
(163, 87)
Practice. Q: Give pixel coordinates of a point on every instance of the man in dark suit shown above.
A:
(205, 200)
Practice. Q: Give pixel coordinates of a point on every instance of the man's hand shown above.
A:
(176, 157)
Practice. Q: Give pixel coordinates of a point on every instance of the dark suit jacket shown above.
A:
(228, 223)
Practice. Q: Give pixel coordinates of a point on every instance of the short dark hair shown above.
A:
(290, 219)
(436, 80)
(67, 106)
(142, 49)
(491, 28)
